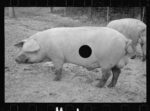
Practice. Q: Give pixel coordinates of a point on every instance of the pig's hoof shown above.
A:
(111, 85)
(100, 85)
(57, 79)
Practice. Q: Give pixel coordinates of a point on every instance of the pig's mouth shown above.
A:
(28, 62)
(23, 61)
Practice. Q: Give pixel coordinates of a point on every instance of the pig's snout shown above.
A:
(18, 60)
(21, 59)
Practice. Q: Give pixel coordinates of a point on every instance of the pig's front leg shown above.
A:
(58, 73)
(116, 72)
(58, 69)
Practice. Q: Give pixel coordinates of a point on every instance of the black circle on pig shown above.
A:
(85, 51)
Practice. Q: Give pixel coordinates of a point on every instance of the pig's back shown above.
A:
(131, 28)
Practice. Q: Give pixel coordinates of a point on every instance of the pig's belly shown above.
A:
(85, 63)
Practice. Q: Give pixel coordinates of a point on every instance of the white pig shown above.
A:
(133, 29)
(88, 47)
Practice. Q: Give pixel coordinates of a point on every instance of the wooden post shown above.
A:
(143, 13)
(51, 9)
(108, 14)
(90, 13)
(11, 12)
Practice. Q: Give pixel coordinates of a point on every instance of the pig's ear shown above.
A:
(20, 44)
(31, 46)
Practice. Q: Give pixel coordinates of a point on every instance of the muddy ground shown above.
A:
(34, 83)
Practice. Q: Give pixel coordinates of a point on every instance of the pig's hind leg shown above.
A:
(134, 50)
(105, 75)
(116, 71)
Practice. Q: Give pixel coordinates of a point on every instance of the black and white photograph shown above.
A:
(75, 54)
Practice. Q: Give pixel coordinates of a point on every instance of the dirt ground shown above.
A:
(34, 83)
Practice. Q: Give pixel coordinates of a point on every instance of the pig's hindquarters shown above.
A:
(109, 57)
